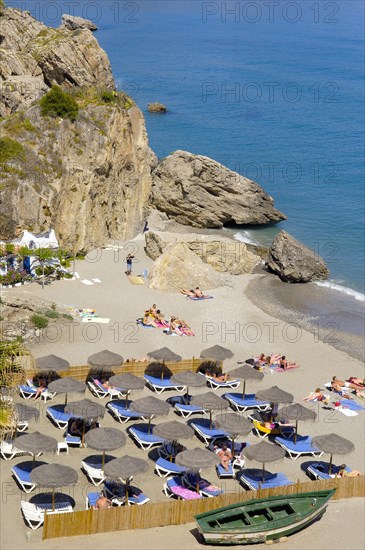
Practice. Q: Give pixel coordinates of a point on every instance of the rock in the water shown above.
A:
(294, 262)
(156, 108)
(179, 267)
(197, 191)
(224, 255)
(72, 22)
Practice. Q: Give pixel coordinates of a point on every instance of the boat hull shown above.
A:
(251, 534)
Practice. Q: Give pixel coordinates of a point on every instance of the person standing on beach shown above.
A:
(129, 263)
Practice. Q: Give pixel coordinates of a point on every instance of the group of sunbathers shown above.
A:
(341, 387)
(274, 360)
(154, 318)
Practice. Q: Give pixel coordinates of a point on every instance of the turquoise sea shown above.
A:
(272, 89)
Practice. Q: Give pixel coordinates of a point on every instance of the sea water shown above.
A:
(273, 90)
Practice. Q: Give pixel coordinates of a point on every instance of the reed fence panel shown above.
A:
(177, 512)
(81, 372)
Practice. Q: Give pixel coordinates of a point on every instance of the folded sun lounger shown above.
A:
(144, 439)
(252, 478)
(303, 446)
(249, 402)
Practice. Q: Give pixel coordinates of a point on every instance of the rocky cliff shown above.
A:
(198, 191)
(89, 179)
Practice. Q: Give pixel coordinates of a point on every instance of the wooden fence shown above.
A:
(134, 367)
(177, 512)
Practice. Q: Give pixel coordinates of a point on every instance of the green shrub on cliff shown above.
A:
(57, 103)
(10, 150)
(2, 7)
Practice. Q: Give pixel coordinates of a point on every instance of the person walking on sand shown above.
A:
(129, 259)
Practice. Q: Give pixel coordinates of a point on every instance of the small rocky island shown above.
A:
(156, 108)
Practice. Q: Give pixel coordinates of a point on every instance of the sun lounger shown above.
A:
(303, 446)
(97, 389)
(93, 472)
(252, 478)
(22, 425)
(201, 426)
(238, 460)
(144, 439)
(91, 499)
(116, 493)
(27, 391)
(222, 473)
(167, 450)
(21, 472)
(58, 416)
(193, 481)
(215, 384)
(187, 410)
(159, 385)
(34, 514)
(164, 467)
(249, 402)
(121, 412)
(174, 488)
(8, 451)
(262, 431)
(319, 470)
(73, 440)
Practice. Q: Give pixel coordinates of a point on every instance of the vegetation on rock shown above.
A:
(57, 103)
(10, 150)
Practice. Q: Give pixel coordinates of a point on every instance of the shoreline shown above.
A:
(318, 310)
(333, 317)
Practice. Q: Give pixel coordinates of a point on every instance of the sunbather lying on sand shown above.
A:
(342, 384)
(317, 395)
(286, 365)
(190, 293)
(261, 360)
(357, 381)
(340, 390)
(360, 393)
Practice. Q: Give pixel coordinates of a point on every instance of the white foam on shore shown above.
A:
(244, 237)
(344, 289)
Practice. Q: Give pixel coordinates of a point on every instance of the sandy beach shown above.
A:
(231, 320)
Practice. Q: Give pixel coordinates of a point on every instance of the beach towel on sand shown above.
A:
(279, 369)
(195, 298)
(135, 280)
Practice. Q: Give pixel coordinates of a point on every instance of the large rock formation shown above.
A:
(72, 22)
(197, 191)
(91, 179)
(33, 57)
(179, 267)
(294, 262)
(224, 255)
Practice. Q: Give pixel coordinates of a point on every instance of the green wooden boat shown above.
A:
(262, 519)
